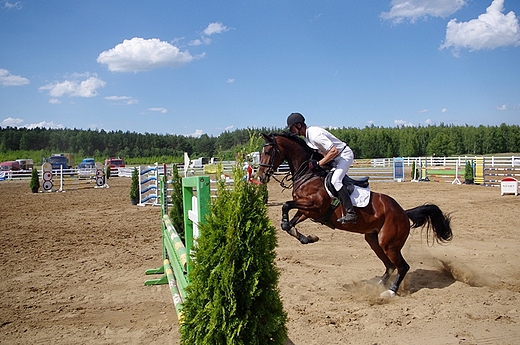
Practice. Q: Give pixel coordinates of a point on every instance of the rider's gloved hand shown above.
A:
(314, 165)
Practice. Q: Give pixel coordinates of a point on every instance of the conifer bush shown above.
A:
(176, 212)
(134, 187)
(35, 181)
(233, 296)
(415, 171)
(468, 173)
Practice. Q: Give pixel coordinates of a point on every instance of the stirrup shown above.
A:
(348, 218)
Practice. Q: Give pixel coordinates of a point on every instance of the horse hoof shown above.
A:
(387, 294)
(285, 226)
(313, 238)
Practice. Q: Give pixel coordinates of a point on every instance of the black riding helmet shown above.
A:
(295, 118)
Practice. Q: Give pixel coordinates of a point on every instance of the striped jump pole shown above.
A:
(177, 263)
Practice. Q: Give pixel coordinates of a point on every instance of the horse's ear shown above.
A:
(265, 136)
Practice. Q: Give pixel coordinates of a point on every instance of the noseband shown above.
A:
(301, 174)
(270, 166)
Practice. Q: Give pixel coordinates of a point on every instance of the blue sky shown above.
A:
(194, 67)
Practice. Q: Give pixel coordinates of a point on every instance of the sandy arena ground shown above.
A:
(72, 268)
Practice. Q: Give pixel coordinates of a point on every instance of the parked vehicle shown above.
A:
(10, 166)
(87, 163)
(26, 164)
(199, 162)
(58, 161)
(115, 163)
(61, 160)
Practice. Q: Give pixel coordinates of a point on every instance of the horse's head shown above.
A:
(280, 147)
(270, 159)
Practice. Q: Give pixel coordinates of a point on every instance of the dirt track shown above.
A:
(73, 270)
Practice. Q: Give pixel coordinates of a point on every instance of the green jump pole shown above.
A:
(176, 255)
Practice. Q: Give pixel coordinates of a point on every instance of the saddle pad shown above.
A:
(360, 196)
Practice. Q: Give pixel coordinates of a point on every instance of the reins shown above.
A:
(292, 179)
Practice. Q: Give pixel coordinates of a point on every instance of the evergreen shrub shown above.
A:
(35, 181)
(134, 187)
(233, 297)
(468, 173)
(176, 211)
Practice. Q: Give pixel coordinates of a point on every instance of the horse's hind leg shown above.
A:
(402, 269)
(373, 241)
(393, 252)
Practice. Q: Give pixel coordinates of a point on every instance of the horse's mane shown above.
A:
(295, 138)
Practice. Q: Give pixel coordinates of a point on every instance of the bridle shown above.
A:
(270, 166)
(300, 172)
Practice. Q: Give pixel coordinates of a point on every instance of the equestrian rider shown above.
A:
(334, 151)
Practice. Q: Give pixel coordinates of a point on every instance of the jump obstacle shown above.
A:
(177, 262)
(148, 186)
(95, 179)
(435, 173)
(487, 171)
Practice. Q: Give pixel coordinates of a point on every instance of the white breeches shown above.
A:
(341, 164)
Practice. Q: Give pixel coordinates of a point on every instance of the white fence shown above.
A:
(378, 169)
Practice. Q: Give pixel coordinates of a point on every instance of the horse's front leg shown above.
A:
(289, 226)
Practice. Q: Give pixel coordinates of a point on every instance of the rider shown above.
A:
(334, 151)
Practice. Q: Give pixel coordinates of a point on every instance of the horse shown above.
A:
(385, 224)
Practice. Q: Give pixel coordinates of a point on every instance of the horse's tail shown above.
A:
(436, 220)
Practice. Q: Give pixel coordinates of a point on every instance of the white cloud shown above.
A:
(11, 122)
(211, 29)
(229, 128)
(230, 80)
(428, 122)
(75, 88)
(160, 110)
(198, 133)
(490, 30)
(45, 124)
(16, 5)
(444, 110)
(201, 41)
(502, 107)
(413, 10)
(139, 54)
(7, 79)
(423, 111)
(403, 123)
(215, 28)
(54, 101)
(17, 122)
(118, 100)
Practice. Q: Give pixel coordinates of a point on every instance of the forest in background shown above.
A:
(368, 142)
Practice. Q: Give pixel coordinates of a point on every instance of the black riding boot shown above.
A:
(344, 197)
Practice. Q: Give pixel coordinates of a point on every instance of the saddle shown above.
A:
(348, 182)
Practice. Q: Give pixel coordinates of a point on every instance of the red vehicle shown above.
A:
(10, 166)
(115, 164)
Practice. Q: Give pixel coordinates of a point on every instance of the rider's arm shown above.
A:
(330, 155)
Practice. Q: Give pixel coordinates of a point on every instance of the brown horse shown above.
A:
(383, 221)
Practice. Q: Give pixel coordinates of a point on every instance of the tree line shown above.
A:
(368, 142)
